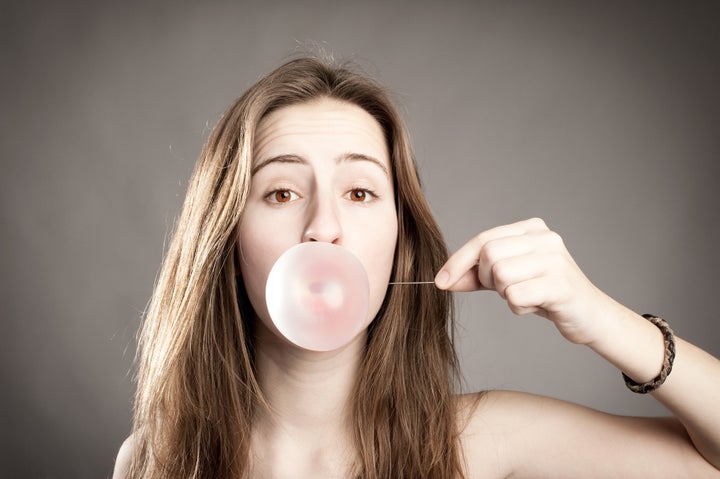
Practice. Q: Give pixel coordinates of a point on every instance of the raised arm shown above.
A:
(529, 266)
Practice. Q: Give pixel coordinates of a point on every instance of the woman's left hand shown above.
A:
(529, 266)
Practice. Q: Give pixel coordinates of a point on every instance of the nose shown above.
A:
(323, 223)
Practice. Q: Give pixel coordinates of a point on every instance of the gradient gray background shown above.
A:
(601, 118)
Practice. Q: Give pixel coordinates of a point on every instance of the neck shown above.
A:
(306, 390)
(307, 425)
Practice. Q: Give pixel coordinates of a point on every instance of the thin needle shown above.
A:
(412, 282)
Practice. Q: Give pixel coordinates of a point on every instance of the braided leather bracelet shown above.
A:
(667, 365)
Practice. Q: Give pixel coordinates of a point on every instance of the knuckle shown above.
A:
(537, 222)
(487, 254)
(495, 250)
(554, 239)
(500, 273)
(516, 309)
(514, 296)
(480, 237)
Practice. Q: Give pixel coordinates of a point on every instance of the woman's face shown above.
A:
(321, 172)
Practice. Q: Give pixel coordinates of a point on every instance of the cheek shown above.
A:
(256, 256)
(253, 274)
(379, 254)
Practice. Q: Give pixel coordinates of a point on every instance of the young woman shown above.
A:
(315, 152)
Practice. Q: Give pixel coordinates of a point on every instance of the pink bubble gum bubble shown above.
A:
(317, 295)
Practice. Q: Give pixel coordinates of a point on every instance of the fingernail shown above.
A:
(442, 278)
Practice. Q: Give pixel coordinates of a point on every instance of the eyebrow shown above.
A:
(302, 161)
(278, 159)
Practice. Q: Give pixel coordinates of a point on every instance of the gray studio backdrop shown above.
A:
(602, 119)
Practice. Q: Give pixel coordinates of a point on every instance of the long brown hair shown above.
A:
(197, 390)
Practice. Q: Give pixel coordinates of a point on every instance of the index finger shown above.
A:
(459, 273)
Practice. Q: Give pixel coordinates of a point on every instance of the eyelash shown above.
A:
(270, 196)
(368, 192)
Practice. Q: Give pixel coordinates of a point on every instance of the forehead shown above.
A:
(320, 126)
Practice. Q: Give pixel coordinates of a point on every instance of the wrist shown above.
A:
(631, 343)
(668, 359)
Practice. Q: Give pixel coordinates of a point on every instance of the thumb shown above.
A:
(450, 280)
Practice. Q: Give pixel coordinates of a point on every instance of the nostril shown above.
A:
(324, 232)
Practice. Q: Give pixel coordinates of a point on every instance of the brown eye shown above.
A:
(282, 196)
(358, 195)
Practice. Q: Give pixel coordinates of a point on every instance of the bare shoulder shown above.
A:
(488, 422)
(507, 433)
(124, 457)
